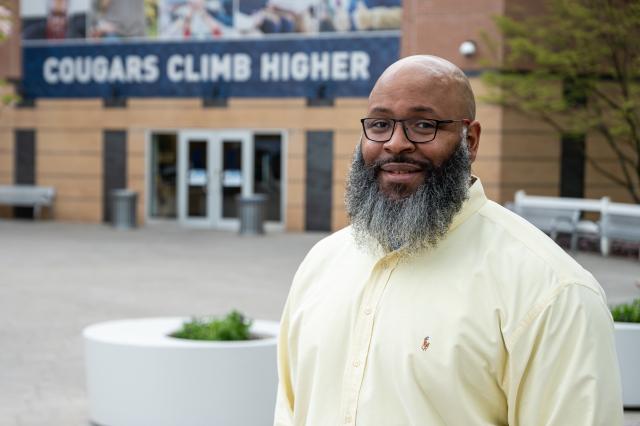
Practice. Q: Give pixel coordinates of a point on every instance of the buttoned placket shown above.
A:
(363, 331)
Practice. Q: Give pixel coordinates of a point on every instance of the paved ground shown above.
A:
(57, 278)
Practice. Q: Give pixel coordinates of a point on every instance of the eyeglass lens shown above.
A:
(417, 130)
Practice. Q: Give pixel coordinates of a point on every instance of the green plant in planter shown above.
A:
(234, 326)
(627, 312)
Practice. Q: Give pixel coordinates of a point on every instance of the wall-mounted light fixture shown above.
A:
(468, 48)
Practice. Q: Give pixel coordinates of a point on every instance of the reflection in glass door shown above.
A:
(267, 174)
(163, 179)
(197, 178)
(195, 166)
(232, 178)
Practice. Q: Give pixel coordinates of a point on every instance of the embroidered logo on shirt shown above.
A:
(425, 343)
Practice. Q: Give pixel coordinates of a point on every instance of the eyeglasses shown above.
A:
(417, 130)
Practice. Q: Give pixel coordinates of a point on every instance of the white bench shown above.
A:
(619, 222)
(554, 215)
(551, 221)
(28, 196)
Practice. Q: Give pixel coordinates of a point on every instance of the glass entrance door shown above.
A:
(194, 178)
(235, 164)
(231, 184)
(214, 169)
(197, 178)
(162, 179)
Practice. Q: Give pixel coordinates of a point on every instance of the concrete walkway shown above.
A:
(57, 278)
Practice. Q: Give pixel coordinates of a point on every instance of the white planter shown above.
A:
(138, 376)
(628, 348)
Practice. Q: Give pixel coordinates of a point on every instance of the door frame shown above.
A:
(214, 140)
(246, 139)
(248, 153)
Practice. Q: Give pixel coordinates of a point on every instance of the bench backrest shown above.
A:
(621, 221)
(549, 220)
(26, 195)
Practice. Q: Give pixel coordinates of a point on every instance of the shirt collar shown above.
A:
(473, 203)
(476, 200)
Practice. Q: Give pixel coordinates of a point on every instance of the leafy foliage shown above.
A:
(627, 312)
(6, 27)
(5, 21)
(232, 327)
(577, 68)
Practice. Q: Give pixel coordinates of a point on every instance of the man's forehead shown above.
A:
(422, 66)
(382, 109)
(420, 84)
(413, 75)
(409, 92)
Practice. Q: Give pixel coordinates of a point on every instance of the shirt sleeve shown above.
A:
(562, 367)
(284, 400)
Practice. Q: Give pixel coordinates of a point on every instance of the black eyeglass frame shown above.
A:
(404, 128)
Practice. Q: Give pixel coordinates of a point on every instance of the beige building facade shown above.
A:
(70, 139)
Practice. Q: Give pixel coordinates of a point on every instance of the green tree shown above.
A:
(6, 26)
(5, 21)
(577, 67)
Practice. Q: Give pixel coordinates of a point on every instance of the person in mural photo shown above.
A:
(59, 22)
(275, 16)
(199, 19)
(57, 19)
(314, 16)
(437, 306)
(116, 19)
(53, 26)
(375, 14)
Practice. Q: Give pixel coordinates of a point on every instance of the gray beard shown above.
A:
(410, 222)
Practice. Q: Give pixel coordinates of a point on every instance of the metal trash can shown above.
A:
(251, 210)
(123, 208)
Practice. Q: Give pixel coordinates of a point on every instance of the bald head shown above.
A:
(423, 73)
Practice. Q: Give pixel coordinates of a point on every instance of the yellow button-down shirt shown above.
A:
(495, 326)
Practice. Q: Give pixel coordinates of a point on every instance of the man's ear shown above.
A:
(473, 139)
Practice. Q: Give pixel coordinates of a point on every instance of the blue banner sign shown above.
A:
(325, 66)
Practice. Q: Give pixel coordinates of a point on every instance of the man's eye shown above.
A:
(424, 125)
(379, 124)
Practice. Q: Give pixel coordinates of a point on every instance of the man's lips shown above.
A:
(401, 168)
(401, 173)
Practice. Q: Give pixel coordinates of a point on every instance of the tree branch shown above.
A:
(605, 172)
(623, 160)
(606, 98)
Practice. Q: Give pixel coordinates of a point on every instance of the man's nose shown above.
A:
(399, 142)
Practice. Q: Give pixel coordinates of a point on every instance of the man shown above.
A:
(119, 18)
(437, 306)
(57, 20)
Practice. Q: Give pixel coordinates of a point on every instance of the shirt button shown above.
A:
(356, 363)
(348, 419)
(367, 311)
